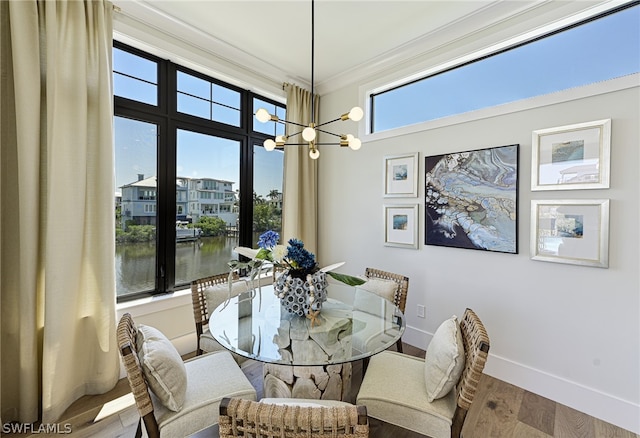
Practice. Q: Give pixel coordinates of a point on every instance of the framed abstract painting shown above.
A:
(401, 226)
(401, 175)
(572, 231)
(471, 199)
(571, 157)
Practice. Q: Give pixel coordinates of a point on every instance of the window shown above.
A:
(189, 174)
(135, 77)
(600, 49)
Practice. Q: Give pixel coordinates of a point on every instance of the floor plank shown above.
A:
(494, 412)
(538, 412)
(570, 423)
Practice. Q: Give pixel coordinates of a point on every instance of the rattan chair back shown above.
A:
(240, 417)
(476, 348)
(127, 335)
(400, 296)
(200, 311)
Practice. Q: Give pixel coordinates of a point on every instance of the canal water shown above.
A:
(135, 262)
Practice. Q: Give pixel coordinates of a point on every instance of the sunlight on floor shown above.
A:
(115, 406)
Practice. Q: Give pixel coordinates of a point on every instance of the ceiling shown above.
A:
(352, 37)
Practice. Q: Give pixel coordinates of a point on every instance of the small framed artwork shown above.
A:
(471, 199)
(571, 157)
(401, 226)
(401, 175)
(571, 231)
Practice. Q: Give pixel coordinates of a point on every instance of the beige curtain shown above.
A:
(57, 297)
(300, 193)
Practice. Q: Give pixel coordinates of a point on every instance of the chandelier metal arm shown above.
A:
(327, 132)
(309, 133)
(329, 122)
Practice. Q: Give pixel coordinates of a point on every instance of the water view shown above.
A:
(135, 262)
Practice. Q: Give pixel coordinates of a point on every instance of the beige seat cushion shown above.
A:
(444, 359)
(209, 344)
(162, 367)
(210, 378)
(393, 390)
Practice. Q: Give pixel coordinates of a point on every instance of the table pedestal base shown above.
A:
(329, 382)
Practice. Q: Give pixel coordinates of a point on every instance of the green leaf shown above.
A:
(264, 254)
(347, 279)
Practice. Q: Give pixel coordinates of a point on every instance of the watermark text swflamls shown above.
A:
(30, 428)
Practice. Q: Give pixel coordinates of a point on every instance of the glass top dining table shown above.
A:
(353, 324)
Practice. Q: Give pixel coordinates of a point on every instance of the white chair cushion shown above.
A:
(444, 359)
(393, 390)
(210, 378)
(162, 366)
(384, 288)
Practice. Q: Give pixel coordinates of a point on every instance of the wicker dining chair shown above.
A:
(400, 295)
(401, 398)
(200, 310)
(208, 379)
(304, 418)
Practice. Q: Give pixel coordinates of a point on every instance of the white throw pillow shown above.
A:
(162, 366)
(384, 288)
(218, 293)
(444, 359)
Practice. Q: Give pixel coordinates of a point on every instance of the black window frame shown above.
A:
(168, 120)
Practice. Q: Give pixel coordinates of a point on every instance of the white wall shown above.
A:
(569, 333)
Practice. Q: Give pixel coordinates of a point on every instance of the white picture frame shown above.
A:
(401, 225)
(574, 231)
(571, 157)
(401, 175)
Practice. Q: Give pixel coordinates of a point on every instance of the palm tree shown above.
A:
(274, 195)
(257, 199)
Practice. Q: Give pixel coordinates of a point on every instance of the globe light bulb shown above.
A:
(269, 144)
(356, 114)
(309, 134)
(263, 115)
(314, 154)
(354, 143)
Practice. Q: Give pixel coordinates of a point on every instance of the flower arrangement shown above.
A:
(301, 285)
(294, 257)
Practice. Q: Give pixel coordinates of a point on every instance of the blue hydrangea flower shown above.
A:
(268, 239)
(300, 257)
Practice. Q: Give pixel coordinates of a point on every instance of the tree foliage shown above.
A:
(266, 217)
(211, 226)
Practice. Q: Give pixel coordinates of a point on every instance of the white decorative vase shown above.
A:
(297, 295)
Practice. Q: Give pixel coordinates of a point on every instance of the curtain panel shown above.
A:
(57, 296)
(300, 192)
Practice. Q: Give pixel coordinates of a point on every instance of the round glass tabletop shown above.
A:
(353, 324)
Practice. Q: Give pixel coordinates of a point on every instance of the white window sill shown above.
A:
(148, 305)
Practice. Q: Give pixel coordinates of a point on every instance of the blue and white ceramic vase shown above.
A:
(299, 293)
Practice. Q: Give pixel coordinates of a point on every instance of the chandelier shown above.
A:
(310, 132)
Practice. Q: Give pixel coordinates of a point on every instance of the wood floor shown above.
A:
(500, 410)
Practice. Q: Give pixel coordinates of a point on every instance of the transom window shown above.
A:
(599, 49)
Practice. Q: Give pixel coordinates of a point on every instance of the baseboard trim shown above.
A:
(593, 402)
